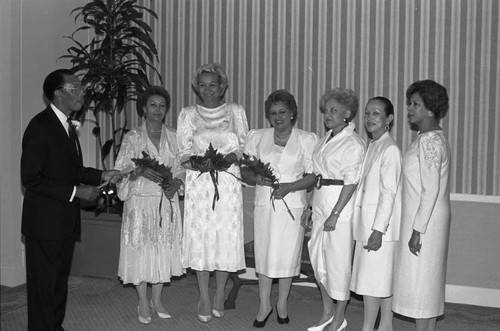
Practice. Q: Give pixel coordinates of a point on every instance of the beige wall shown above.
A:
(32, 30)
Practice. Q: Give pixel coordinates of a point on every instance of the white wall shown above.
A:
(31, 37)
(12, 266)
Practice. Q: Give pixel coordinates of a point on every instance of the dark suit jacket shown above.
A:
(50, 168)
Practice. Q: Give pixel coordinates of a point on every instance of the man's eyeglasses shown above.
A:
(75, 90)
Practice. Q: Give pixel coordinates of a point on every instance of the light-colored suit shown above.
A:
(378, 198)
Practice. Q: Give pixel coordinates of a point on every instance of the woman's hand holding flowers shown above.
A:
(281, 190)
(173, 188)
(374, 241)
(263, 181)
(148, 173)
(231, 158)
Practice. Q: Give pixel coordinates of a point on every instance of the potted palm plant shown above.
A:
(112, 68)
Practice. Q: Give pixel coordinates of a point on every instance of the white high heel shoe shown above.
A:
(204, 318)
(218, 313)
(143, 320)
(160, 315)
(343, 325)
(321, 326)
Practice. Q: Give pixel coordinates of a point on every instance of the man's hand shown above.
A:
(87, 192)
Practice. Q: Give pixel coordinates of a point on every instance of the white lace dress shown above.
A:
(149, 252)
(419, 281)
(213, 239)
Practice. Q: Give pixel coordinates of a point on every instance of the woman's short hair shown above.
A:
(213, 68)
(344, 96)
(434, 96)
(282, 96)
(150, 91)
(388, 107)
(54, 81)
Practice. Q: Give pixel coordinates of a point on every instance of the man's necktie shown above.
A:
(73, 137)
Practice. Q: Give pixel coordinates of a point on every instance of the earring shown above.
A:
(387, 128)
(346, 121)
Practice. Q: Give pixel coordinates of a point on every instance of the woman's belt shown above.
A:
(320, 181)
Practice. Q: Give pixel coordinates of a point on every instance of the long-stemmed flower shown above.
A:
(255, 165)
(212, 162)
(165, 172)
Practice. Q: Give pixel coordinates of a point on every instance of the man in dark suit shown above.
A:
(55, 181)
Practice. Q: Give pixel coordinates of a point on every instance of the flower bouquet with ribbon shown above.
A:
(167, 177)
(212, 162)
(256, 166)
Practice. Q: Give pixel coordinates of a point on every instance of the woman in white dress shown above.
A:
(377, 215)
(337, 161)
(420, 273)
(279, 238)
(213, 238)
(150, 244)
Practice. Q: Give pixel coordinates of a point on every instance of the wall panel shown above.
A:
(374, 47)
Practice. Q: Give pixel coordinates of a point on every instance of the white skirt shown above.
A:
(372, 271)
(331, 252)
(278, 240)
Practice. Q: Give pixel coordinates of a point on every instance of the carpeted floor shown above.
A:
(104, 304)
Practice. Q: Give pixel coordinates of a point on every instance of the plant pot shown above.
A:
(97, 252)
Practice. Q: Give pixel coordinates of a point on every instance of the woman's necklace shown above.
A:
(153, 131)
(282, 140)
(432, 128)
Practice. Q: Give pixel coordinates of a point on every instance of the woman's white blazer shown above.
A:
(378, 196)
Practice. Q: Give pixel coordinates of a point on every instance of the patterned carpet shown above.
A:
(104, 304)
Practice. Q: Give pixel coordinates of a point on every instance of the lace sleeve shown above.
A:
(308, 145)
(241, 128)
(123, 161)
(251, 144)
(184, 134)
(430, 155)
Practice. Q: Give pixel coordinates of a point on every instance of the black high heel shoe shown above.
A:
(261, 324)
(285, 320)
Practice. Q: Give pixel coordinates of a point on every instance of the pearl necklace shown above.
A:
(282, 139)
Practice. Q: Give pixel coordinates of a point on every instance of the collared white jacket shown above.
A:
(378, 196)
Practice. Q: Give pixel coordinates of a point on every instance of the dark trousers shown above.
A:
(48, 263)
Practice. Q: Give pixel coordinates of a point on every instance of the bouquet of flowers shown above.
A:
(255, 165)
(167, 177)
(212, 162)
